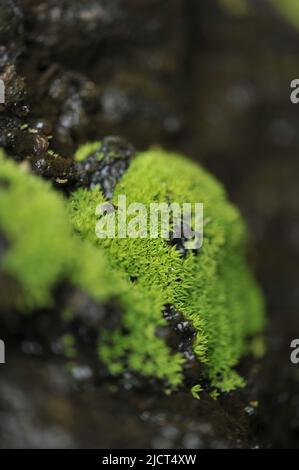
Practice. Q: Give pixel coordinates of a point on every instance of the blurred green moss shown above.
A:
(289, 9)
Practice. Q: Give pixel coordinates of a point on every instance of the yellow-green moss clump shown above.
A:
(51, 240)
(212, 289)
(289, 9)
(43, 251)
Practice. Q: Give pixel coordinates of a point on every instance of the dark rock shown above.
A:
(148, 70)
(106, 166)
(179, 335)
(15, 92)
(4, 244)
(183, 333)
(180, 236)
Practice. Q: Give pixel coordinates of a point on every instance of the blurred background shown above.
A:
(209, 78)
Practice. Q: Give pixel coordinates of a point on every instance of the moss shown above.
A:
(87, 149)
(212, 289)
(51, 240)
(289, 9)
(44, 251)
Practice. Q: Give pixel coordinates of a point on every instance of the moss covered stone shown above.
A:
(207, 296)
(212, 289)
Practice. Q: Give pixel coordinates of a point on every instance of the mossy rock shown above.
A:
(210, 291)
(289, 9)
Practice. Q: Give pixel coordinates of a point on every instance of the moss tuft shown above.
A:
(88, 149)
(213, 289)
(289, 9)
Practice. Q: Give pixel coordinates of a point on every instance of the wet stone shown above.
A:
(106, 166)
(180, 237)
(183, 332)
(89, 317)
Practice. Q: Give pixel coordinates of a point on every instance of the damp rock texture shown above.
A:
(92, 66)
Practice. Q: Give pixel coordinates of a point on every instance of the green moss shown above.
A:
(87, 149)
(214, 290)
(289, 9)
(52, 240)
(43, 251)
(196, 390)
(214, 394)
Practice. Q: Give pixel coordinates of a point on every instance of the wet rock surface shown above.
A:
(64, 413)
(211, 85)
